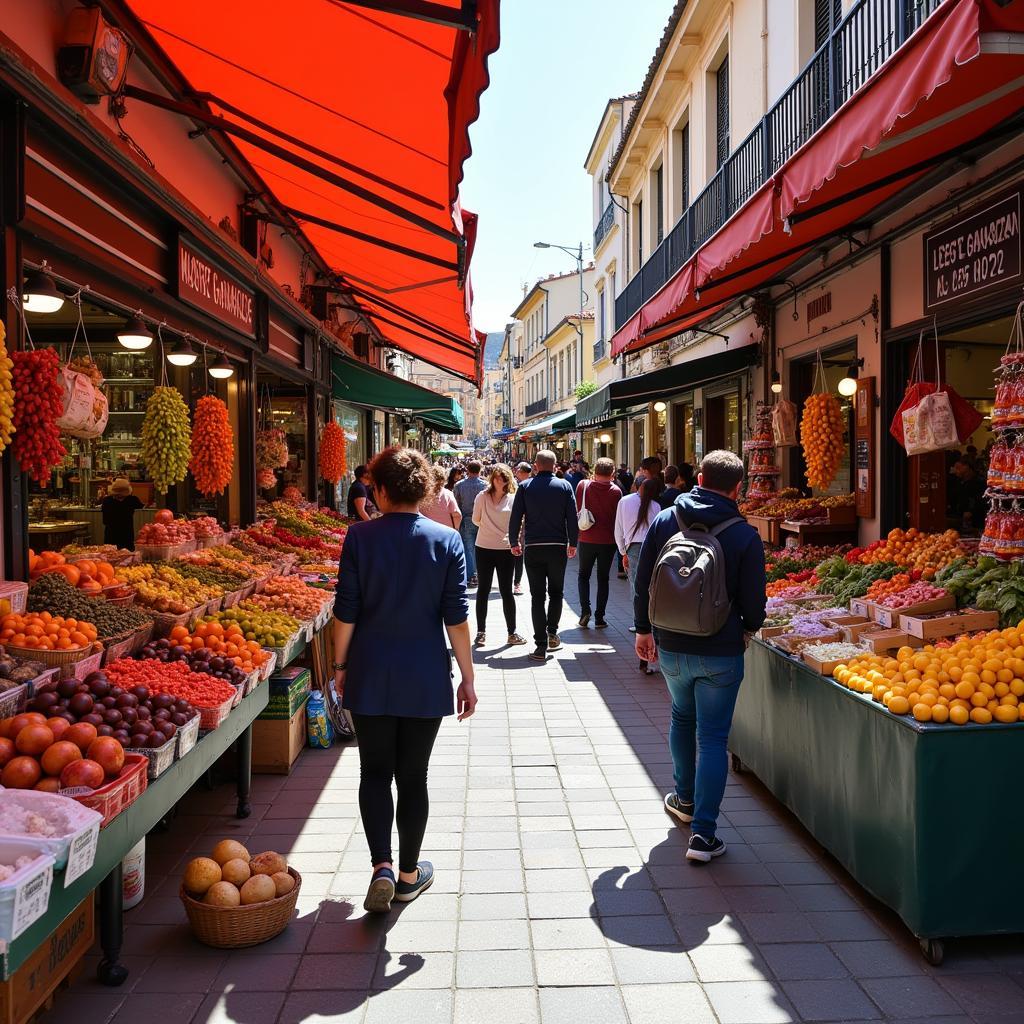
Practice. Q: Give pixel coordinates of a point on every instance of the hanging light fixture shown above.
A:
(182, 354)
(776, 383)
(135, 335)
(221, 369)
(848, 385)
(40, 294)
(660, 406)
(605, 439)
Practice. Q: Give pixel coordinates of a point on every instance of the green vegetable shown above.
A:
(988, 584)
(845, 581)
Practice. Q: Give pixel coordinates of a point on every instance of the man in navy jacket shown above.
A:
(548, 542)
(704, 672)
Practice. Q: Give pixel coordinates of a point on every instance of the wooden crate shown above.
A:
(32, 985)
(767, 529)
(939, 624)
(891, 616)
(889, 640)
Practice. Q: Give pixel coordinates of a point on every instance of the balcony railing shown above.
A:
(867, 37)
(604, 225)
(535, 408)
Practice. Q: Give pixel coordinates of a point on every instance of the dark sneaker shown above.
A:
(676, 807)
(539, 655)
(381, 892)
(406, 892)
(599, 623)
(473, 581)
(554, 642)
(704, 850)
(481, 639)
(584, 620)
(515, 640)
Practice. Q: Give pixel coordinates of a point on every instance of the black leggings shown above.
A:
(399, 749)
(491, 561)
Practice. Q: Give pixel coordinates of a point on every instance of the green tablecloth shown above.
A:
(926, 817)
(131, 825)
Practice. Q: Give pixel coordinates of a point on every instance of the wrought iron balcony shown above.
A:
(535, 408)
(866, 38)
(604, 225)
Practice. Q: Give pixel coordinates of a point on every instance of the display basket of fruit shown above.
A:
(211, 718)
(84, 666)
(59, 658)
(164, 622)
(115, 796)
(13, 700)
(188, 735)
(160, 758)
(230, 600)
(15, 593)
(247, 591)
(164, 552)
(233, 900)
(118, 646)
(120, 594)
(267, 668)
(141, 637)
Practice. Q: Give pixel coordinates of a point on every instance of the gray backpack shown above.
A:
(688, 592)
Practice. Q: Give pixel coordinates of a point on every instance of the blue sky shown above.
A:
(559, 62)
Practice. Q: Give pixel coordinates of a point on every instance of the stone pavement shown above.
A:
(562, 895)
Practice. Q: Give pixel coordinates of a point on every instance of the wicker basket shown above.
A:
(51, 659)
(127, 599)
(118, 646)
(164, 622)
(237, 927)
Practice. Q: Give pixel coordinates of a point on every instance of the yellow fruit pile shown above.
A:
(6, 393)
(166, 438)
(821, 435)
(978, 680)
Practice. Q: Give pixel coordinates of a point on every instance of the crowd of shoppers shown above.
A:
(428, 533)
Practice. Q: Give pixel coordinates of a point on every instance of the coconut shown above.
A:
(236, 871)
(229, 849)
(222, 894)
(201, 874)
(258, 889)
(268, 863)
(283, 881)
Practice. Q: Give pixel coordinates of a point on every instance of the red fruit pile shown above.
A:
(38, 403)
(213, 446)
(332, 453)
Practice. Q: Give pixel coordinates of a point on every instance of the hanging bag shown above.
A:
(784, 419)
(585, 517)
(84, 409)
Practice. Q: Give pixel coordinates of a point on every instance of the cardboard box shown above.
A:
(289, 689)
(853, 633)
(841, 621)
(891, 616)
(889, 640)
(939, 624)
(35, 981)
(826, 668)
(859, 606)
(277, 742)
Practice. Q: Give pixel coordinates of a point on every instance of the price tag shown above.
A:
(31, 899)
(82, 853)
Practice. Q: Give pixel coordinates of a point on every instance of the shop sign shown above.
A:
(977, 253)
(203, 285)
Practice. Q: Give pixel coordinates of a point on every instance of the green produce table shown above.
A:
(128, 828)
(925, 817)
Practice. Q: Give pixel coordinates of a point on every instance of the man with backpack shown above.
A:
(700, 593)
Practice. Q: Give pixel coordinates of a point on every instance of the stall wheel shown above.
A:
(111, 974)
(933, 950)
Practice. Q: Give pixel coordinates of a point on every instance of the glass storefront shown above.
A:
(352, 422)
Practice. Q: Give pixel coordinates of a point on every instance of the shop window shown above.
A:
(723, 423)
(684, 448)
(722, 113)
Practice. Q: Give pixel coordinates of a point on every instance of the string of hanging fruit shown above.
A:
(332, 453)
(38, 403)
(213, 446)
(166, 438)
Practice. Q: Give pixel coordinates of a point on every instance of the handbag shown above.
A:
(585, 517)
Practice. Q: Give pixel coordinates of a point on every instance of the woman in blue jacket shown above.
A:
(401, 586)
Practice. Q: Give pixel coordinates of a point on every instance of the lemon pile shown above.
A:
(978, 680)
(6, 393)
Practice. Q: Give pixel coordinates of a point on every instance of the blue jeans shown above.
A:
(703, 691)
(468, 531)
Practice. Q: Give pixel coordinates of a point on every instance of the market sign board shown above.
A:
(202, 284)
(977, 253)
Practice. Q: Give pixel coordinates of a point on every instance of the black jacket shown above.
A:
(744, 567)
(549, 507)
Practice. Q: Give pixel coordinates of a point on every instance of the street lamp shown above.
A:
(577, 255)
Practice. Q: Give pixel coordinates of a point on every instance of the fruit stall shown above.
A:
(879, 674)
(125, 676)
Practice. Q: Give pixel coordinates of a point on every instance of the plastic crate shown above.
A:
(13, 701)
(73, 822)
(27, 890)
(15, 592)
(188, 735)
(110, 800)
(160, 758)
(267, 668)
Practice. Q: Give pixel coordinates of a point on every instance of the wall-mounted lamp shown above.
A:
(776, 383)
(605, 439)
(221, 369)
(660, 406)
(848, 385)
(40, 293)
(182, 354)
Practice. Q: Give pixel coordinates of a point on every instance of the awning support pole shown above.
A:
(423, 10)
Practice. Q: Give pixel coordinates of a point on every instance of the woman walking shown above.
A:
(455, 474)
(401, 586)
(633, 518)
(441, 507)
(491, 511)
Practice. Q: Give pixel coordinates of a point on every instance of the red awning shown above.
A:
(953, 82)
(376, 106)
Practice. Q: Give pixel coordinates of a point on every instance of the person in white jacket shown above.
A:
(633, 518)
